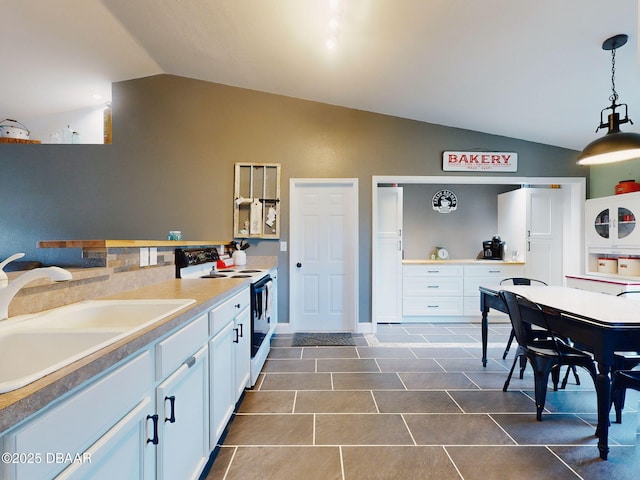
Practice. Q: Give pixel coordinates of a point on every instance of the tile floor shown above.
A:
(414, 402)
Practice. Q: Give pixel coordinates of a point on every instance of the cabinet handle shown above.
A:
(399, 245)
(432, 306)
(241, 330)
(433, 286)
(190, 362)
(172, 404)
(237, 340)
(494, 271)
(433, 271)
(154, 419)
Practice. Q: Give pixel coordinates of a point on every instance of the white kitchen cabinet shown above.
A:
(490, 273)
(119, 453)
(432, 290)
(78, 423)
(441, 291)
(221, 382)
(229, 359)
(610, 286)
(182, 402)
(530, 222)
(387, 263)
(148, 417)
(611, 221)
(242, 350)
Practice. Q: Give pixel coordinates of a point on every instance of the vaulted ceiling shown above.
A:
(533, 70)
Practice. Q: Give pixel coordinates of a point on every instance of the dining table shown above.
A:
(601, 324)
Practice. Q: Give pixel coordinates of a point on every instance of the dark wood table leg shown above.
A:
(603, 390)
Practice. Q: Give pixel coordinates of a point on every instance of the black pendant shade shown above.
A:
(615, 146)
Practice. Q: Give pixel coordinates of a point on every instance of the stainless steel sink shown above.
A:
(34, 345)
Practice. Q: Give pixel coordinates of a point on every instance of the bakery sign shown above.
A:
(480, 161)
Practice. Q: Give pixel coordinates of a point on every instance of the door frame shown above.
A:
(573, 201)
(351, 183)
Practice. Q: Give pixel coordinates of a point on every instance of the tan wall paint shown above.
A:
(175, 141)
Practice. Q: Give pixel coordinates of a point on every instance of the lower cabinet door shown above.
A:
(122, 452)
(221, 381)
(183, 408)
(242, 352)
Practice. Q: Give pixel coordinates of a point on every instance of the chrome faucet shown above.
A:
(55, 274)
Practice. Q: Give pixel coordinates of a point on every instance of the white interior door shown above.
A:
(323, 259)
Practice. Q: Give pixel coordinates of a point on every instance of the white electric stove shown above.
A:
(204, 263)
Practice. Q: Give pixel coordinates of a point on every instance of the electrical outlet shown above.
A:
(144, 257)
(153, 256)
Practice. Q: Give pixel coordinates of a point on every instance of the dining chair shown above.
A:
(517, 281)
(545, 356)
(623, 379)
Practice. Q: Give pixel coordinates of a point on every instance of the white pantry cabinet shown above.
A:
(387, 264)
(530, 222)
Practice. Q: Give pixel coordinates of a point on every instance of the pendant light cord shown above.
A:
(614, 94)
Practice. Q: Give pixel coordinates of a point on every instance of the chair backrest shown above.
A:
(521, 281)
(631, 293)
(522, 329)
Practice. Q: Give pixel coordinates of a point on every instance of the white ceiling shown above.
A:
(533, 70)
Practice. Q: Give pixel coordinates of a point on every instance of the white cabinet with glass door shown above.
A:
(611, 221)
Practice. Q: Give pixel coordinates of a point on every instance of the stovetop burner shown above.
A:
(201, 263)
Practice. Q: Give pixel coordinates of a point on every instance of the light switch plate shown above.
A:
(144, 257)
(153, 255)
(283, 246)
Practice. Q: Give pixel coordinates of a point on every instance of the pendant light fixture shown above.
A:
(615, 146)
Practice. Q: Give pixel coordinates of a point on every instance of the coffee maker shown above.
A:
(493, 249)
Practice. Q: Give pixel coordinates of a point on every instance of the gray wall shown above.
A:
(461, 231)
(175, 142)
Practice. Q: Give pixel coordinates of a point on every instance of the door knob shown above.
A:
(298, 265)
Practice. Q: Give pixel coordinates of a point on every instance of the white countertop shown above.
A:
(602, 308)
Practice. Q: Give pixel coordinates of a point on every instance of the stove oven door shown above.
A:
(260, 312)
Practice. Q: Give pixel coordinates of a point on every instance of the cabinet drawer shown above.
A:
(76, 423)
(432, 270)
(224, 313)
(176, 348)
(494, 270)
(432, 286)
(431, 306)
